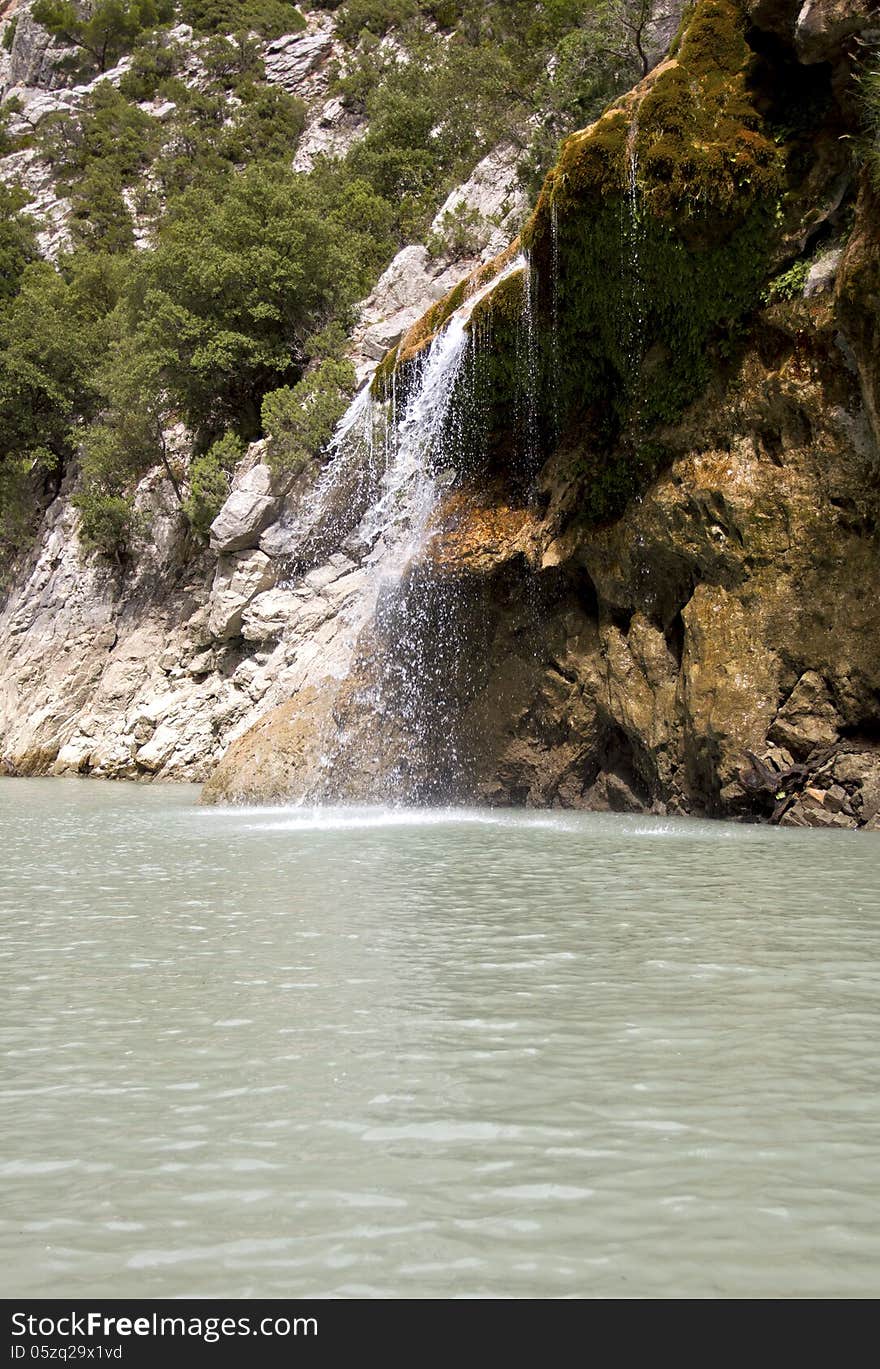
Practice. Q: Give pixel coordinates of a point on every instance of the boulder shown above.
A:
(238, 579)
(807, 719)
(241, 520)
(159, 749)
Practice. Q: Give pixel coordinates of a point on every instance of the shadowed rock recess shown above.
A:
(602, 530)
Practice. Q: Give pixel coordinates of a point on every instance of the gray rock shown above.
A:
(291, 59)
(36, 56)
(269, 614)
(822, 25)
(809, 810)
(239, 578)
(241, 520)
(159, 749)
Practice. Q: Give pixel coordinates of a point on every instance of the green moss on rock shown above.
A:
(651, 240)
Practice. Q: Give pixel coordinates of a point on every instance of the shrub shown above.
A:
(789, 284)
(461, 232)
(271, 18)
(300, 420)
(102, 29)
(209, 479)
(373, 16)
(155, 61)
(107, 522)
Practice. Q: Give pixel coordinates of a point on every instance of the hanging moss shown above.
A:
(383, 374)
(651, 239)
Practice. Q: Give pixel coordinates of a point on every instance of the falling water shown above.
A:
(421, 440)
(554, 318)
(634, 296)
(390, 459)
(529, 370)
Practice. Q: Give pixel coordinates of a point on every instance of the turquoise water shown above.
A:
(393, 1053)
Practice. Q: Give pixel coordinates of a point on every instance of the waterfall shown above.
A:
(554, 317)
(529, 370)
(633, 297)
(371, 507)
(386, 458)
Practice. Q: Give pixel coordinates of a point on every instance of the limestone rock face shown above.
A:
(240, 577)
(35, 56)
(823, 25)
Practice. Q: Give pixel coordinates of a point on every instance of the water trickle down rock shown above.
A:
(390, 457)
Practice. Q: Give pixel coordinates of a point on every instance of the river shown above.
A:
(285, 1052)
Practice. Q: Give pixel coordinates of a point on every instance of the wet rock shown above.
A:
(807, 719)
(823, 273)
(611, 793)
(810, 810)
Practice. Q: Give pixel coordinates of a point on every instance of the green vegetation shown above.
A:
(270, 18)
(871, 109)
(101, 29)
(230, 318)
(17, 240)
(300, 420)
(209, 480)
(788, 285)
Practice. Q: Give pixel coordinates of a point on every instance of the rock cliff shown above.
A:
(657, 597)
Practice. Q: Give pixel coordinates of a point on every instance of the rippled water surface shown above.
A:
(272, 1052)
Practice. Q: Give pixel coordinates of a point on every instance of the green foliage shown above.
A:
(102, 29)
(230, 59)
(95, 159)
(267, 127)
(9, 33)
(300, 420)
(238, 281)
(373, 16)
(870, 86)
(788, 284)
(53, 334)
(155, 61)
(271, 18)
(209, 480)
(461, 233)
(17, 240)
(107, 522)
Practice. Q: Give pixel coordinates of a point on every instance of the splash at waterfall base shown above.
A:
(647, 590)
